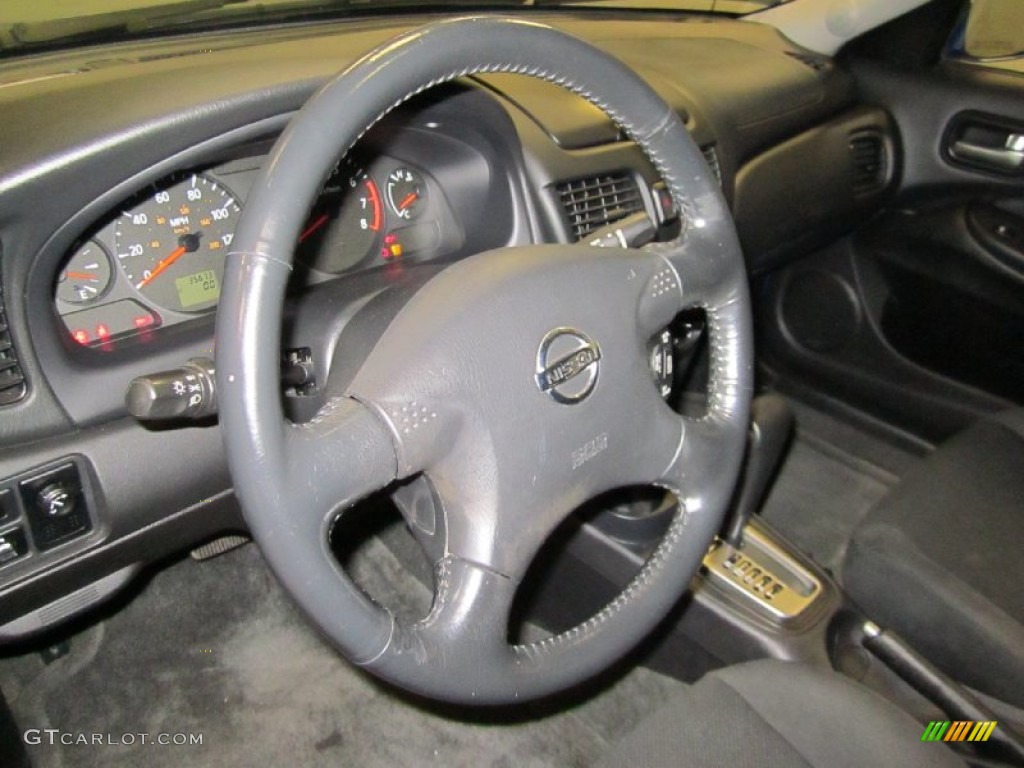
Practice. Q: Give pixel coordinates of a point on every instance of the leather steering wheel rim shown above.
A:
(292, 480)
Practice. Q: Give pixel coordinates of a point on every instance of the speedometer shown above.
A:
(172, 244)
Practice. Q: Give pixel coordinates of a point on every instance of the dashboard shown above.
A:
(115, 228)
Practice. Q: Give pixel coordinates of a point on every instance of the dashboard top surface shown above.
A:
(733, 69)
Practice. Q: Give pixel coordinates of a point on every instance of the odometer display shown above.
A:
(172, 244)
(200, 288)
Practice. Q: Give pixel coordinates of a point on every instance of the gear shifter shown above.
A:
(771, 424)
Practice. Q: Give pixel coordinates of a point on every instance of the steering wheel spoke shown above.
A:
(343, 454)
(703, 282)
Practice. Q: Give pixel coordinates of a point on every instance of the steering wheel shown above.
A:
(516, 381)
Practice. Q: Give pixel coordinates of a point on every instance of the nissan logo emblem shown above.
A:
(567, 365)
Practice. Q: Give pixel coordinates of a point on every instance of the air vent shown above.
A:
(592, 202)
(711, 156)
(12, 380)
(870, 163)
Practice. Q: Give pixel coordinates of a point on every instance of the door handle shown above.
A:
(985, 142)
(1009, 157)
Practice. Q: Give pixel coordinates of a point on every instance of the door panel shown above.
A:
(918, 318)
(936, 106)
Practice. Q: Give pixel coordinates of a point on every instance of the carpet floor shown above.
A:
(217, 649)
(831, 478)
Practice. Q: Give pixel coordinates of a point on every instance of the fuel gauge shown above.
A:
(87, 275)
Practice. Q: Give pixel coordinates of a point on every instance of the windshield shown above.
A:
(30, 25)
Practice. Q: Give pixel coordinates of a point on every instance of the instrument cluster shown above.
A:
(158, 260)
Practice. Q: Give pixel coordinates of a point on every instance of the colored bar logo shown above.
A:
(958, 730)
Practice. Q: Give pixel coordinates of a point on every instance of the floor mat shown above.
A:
(819, 498)
(216, 649)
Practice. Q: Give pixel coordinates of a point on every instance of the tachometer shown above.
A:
(172, 244)
(346, 223)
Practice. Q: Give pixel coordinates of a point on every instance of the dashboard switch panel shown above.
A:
(55, 506)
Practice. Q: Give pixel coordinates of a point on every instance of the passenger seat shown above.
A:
(941, 559)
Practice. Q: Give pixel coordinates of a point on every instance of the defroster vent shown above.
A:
(12, 380)
(594, 201)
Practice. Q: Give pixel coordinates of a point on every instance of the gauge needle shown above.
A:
(82, 276)
(172, 257)
(318, 222)
(408, 200)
